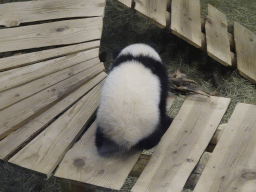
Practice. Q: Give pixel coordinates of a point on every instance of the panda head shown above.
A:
(136, 50)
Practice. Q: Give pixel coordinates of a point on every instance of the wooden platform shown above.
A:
(49, 92)
(208, 33)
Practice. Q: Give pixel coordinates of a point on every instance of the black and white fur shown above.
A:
(132, 110)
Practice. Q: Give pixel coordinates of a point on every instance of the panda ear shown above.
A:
(154, 46)
(116, 52)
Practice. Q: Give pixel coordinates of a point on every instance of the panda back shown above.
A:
(129, 106)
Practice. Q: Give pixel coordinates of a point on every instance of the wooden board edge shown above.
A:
(43, 109)
(59, 53)
(43, 127)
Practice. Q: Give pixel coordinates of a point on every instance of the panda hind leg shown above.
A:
(99, 138)
(153, 139)
(168, 122)
(105, 146)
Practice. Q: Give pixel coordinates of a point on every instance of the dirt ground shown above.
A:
(123, 27)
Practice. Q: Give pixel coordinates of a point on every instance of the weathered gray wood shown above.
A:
(186, 21)
(232, 166)
(45, 152)
(21, 136)
(15, 77)
(13, 14)
(16, 94)
(83, 163)
(154, 9)
(182, 145)
(34, 57)
(216, 29)
(245, 42)
(49, 34)
(17, 115)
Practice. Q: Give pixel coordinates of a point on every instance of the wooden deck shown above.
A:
(49, 95)
(208, 33)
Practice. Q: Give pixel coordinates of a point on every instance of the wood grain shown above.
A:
(203, 46)
(15, 77)
(16, 94)
(83, 163)
(154, 9)
(245, 42)
(18, 138)
(232, 165)
(50, 34)
(17, 115)
(186, 21)
(217, 39)
(181, 147)
(13, 14)
(34, 57)
(45, 152)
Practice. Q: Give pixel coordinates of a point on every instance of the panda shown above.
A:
(132, 109)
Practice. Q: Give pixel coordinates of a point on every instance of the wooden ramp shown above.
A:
(49, 92)
(50, 85)
(232, 166)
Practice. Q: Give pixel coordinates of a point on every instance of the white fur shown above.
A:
(129, 106)
(141, 49)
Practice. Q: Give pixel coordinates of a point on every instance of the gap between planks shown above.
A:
(183, 144)
(13, 14)
(232, 164)
(16, 77)
(23, 91)
(50, 34)
(39, 56)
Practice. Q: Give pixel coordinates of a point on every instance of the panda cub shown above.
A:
(132, 110)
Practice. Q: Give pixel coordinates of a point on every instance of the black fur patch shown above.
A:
(116, 52)
(99, 138)
(153, 139)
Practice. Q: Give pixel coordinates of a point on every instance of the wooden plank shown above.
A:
(45, 152)
(232, 165)
(83, 163)
(13, 14)
(186, 21)
(16, 94)
(116, 168)
(49, 34)
(128, 3)
(245, 42)
(34, 57)
(154, 9)
(15, 77)
(182, 145)
(216, 29)
(17, 139)
(17, 115)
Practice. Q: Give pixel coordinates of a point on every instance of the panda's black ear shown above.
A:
(154, 46)
(116, 52)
